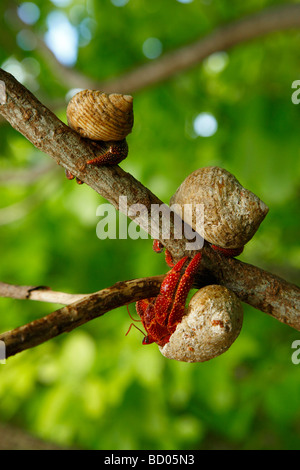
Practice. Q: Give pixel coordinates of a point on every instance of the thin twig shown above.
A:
(77, 313)
(39, 293)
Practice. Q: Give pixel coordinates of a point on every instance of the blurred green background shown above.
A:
(96, 388)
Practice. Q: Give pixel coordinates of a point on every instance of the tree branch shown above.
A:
(269, 20)
(77, 313)
(258, 288)
(253, 26)
(39, 293)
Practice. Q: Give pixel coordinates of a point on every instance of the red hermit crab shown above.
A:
(205, 329)
(161, 315)
(212, 321)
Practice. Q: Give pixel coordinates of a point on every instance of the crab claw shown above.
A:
(161, 316)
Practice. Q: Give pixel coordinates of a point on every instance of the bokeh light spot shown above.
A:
(26, 40)
(152, 48)
(28, 12)
(119, 3)
(62, 38)
(61, 3)
(216, 62)
(205, 125)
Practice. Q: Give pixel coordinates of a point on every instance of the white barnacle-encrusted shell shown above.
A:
(101, 116)
(212, 322)
(232, 214)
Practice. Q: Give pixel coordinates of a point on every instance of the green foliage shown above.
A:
(96, 388)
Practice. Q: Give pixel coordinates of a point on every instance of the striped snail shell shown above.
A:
(212, 322)
(101, 116)
(232, 214)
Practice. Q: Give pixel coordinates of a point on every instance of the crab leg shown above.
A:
(161, 315)
(165, 298)
(115, 153)
(183, 289)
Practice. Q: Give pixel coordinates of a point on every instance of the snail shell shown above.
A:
(232, 214)
(211, 324)
(101, 116)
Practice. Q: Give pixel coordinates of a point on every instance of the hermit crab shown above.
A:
(213, 319)
(205, 329)
(232, 214)
(104, 118)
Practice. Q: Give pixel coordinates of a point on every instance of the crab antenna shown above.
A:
(133, 319)
(131, 325)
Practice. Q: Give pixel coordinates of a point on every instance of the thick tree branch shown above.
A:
(25, 113)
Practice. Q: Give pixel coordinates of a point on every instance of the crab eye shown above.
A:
(147, 340)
